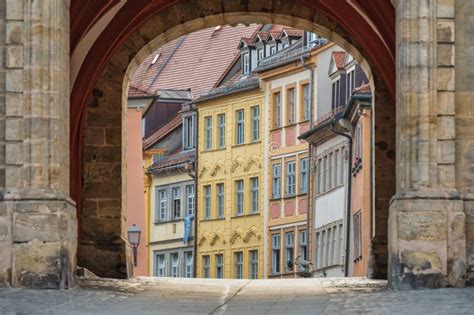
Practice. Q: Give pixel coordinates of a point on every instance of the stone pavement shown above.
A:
(212, 296)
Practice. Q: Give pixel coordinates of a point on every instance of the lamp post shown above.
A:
(134, 240)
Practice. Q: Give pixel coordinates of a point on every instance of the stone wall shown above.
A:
(37, 218)
(464, 115)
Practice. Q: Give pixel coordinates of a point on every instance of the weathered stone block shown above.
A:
(14, 129)
(447, 175)
(445, 9)
(445, 31)
(445, 55)
(446, 151)
(28, 227)
(14, 56)
(422, 226)
(417, 261)
(446, 103)
(14, 104)
(14, 32)
(113, 136)
(14, 80)
(14, 10)
(445, 79)
(446, 128)
(94, 136)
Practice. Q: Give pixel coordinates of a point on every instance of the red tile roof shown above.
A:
(293, 31)
(172, 160)
(339, 57)
(136, 92)
(194, 61)
(163, 131)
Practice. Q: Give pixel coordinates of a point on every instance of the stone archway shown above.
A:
(102, 245)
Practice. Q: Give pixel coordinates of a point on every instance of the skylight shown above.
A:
(155, 59)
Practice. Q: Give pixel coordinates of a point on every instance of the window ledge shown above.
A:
(213, 150)
(303, 121)
(291, 125)
(276, 198)
(289, 196)
(245, 215)
(276, 129)
(168, 221)
(239, 145)
(212, 219)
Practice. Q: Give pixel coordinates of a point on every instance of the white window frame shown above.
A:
(238, 265)
(208, 132)
(290, 183)
(239, 197)
(160, 265)
(304, 171)
(220, 190)
(255, 112)
(174, 265)
(246, 63)
(188, 256)
(276, 253)
(289, 250)
(306, 102)
(254, 193)
(207, 201)
(190, 199)
(188, 132)
(277, 98)
(291, 106)
(206, 266)
(253, 262)
(276, 189)
(219, 266)
(221, 130)
(163, 208)
(240, 126)
(303, 240)
(176, 201)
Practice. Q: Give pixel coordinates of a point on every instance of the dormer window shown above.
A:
(261, 54)
(273, 50)
(246, 63)
(188, 132)
(336, 94)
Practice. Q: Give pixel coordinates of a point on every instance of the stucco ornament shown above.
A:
(239, 161)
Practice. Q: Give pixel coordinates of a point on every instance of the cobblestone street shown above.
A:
(208, 296)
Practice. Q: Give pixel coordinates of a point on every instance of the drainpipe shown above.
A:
(349, 188)
(196, 130)
(309, 190)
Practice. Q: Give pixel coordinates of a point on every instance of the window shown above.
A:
(342, 179)
(188, 132)
(289, 250)
(207, 202)
(336, 91)
(325, 174)
(238, 264)
(261, 54)
(277, 109)
(143, 126)
(208, 132)
(188, 264)
(276, 245)
(304, 163)
(190, 199)
(174, 265)
(358, 144)
(176, 202)
(291, 106)
(163, 205)
(330, 245)
(319, 177)
(206, 265)
(221, 130)
(276, 181)
(239, 197)
(330, 170)
(357, 235)
(255, 123)
(219, 266)
(306, 102)
(290, 178)
(246, 61)
(160, 265)
(220, 200)
(254, 195)
(240, 127)
(273, 49)
(303, 240)
(337, 163)
(253, 264)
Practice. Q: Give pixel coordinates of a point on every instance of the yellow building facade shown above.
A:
(230, 185)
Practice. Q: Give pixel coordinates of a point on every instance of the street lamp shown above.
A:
(134, 240)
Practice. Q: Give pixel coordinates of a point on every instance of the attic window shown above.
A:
(155, 59)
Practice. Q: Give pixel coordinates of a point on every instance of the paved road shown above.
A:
(209, 296)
